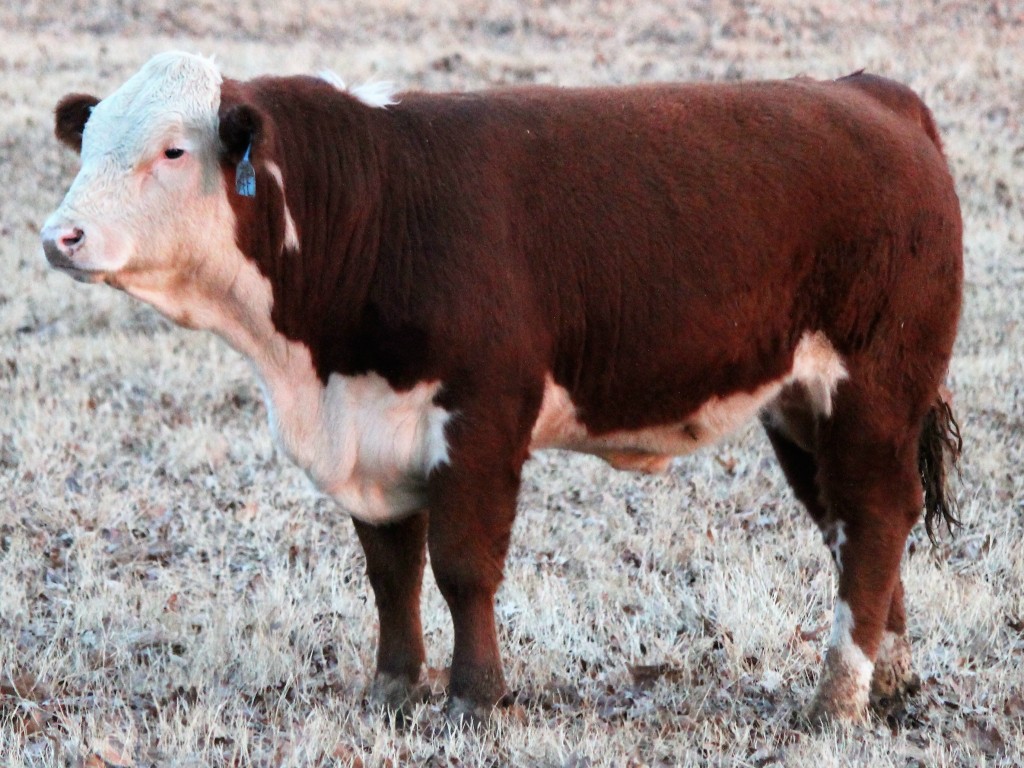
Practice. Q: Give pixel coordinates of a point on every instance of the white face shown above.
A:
(148, 200)
(149, 213)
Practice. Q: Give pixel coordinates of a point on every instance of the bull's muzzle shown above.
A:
(60, 245)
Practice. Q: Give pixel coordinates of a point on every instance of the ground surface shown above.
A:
(172, 593)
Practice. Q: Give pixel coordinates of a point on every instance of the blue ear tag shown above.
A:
(245, 176)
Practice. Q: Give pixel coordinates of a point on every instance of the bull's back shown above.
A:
(666, 245)
(692, 236)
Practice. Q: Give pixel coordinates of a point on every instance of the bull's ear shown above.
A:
(240, 127)
(70, 116)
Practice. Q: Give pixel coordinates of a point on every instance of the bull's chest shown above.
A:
(361, 442)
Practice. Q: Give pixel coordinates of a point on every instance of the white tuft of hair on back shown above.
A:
(376, 94)
(329, 76)
(379, 94)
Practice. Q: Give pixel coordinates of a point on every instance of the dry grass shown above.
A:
(172, 593)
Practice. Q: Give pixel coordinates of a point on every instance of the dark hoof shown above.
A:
(396, 694)
(884, 702)
(894, 678)
(462, 713)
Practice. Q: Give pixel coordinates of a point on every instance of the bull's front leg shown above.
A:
(395, 556)
(472, 508)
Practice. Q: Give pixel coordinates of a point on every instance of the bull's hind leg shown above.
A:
(894, 675)
(870, 485)
(792, 429)
(395, 556)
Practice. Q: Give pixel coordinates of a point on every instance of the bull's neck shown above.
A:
(312, 232)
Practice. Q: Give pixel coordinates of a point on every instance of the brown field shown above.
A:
(173, 593)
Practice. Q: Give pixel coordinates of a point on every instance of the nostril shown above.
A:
(72, 239)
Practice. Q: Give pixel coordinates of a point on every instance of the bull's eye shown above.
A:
(173, 153)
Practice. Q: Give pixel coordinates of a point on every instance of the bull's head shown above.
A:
(149, 211)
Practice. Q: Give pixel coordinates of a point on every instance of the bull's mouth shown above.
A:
(83, 275)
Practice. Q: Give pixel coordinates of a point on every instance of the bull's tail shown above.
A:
(938, 453)
(897, 97)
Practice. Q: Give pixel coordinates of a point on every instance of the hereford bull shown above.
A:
(432, 287)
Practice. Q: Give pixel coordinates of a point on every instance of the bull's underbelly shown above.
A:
(371, 448)
(650, 449)
(816, 367)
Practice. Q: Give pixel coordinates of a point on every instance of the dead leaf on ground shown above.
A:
(23, 686)
(614, 705)
(1014, 705)
(554, 696)
(111, 752)
(987, 738)
(812, 634)
(645, 675)
(728, 463)
(514, 713)
(348, 755)
(23, 701)
(27, 720)
(247, 512)
(561, 694)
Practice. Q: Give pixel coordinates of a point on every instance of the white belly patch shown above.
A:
(361, 442)
(816, 365)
